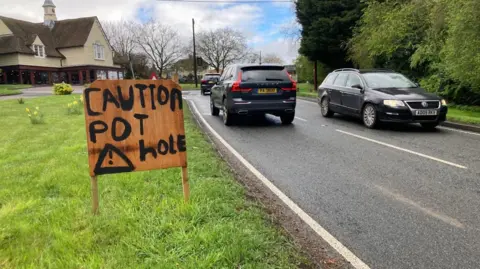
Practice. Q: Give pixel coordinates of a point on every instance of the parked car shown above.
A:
(207, 82)
(249, 89)
(379, 95)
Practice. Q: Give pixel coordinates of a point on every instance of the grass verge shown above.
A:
(45, 219)
(190, 86)
(463, 116)
(9, 89)
(306, 90)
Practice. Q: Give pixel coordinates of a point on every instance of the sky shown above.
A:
(262, 23)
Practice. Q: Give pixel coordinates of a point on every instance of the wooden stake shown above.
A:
(186, 186)
(94, 195)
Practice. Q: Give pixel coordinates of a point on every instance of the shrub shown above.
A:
(75, 107)
(62, 89)
(21, 101)
(36, 117)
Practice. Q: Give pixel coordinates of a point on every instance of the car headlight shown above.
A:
(394, 103)
(444, 103)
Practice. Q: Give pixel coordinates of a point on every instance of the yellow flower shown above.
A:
(69, 105)
(75, 102)
(35, 113)
(37, 108)
(28, 110)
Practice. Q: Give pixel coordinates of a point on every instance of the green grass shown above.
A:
(45, 203)
(9, 89)
(306, 90)
(190, 86)
(463, 116)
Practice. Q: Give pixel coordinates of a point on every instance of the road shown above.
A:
(397, 197)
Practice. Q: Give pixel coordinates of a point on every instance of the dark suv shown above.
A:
(379, 96)
(254, 90)
(207, 82)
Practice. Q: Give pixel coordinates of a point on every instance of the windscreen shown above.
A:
(264, 73)
(388, 80)
(211, 76)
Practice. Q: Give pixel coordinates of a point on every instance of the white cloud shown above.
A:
(243, 17)
(285, 49)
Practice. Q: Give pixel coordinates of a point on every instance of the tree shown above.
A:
(304, 68)
(161, 44)
(121, 36)
(272, 58)
(221, 47)
(326, 27)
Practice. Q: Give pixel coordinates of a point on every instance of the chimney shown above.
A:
(49, 15)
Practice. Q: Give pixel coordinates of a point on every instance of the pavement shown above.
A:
(397, 197)
(38, 92)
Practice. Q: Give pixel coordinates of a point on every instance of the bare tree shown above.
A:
(221, 47)
(161, 43)
(272, 59)
(122, 39)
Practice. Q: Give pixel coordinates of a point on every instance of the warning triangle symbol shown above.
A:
(122, 166)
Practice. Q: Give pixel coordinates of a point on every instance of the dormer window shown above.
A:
(98, 51)
(39, 51)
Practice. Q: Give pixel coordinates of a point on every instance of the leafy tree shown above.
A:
(326, 27)
(304, 68)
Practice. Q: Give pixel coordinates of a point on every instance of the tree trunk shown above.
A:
(315, 82)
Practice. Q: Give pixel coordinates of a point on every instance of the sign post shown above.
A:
(134, 125)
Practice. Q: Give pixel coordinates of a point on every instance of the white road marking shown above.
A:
(430, 212)
(402, 149)
(460, 131)
(298, 118)
(332, 241)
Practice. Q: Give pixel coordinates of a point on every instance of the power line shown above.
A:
(229, 2)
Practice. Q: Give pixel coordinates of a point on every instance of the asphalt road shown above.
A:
(397, 197)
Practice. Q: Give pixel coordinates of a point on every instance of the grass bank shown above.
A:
(45, 219)
(190, 86)
(9, 89)
(461, 114)
(306, 90)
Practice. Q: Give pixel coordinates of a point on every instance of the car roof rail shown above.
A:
(346, 69)
(376, 70)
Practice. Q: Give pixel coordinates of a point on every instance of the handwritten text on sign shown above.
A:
(134, 125)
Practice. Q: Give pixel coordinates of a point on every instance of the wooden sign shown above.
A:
(134, 125)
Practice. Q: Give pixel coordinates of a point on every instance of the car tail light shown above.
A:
(204, 81)
(236, 85)
(294, 83)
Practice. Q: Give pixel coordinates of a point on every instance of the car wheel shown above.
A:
(369, 116)
(228, 118)
(287, 119)
(325, 108)
(213, 109)
(429, 125)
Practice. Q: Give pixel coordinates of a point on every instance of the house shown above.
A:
(75, 51)
(184, 67)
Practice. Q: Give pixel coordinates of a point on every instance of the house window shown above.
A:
(39, 51)
(99, 52)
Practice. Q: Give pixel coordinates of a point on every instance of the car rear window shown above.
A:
(211, 76)
(264, 73)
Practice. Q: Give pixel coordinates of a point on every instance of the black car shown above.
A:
(208, 80)
(246, 89)
(379, 96)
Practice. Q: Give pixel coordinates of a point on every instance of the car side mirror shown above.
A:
(357, 86)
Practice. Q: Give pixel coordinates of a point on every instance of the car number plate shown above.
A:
(264, 91)
(210, 82)
(426, 113)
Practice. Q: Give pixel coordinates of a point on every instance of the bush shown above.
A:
(36, 117)
(62, 89)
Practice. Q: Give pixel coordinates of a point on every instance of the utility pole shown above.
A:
(260, 57)
(194, 54)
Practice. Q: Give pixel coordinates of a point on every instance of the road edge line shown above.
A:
(324, 234)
